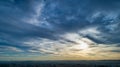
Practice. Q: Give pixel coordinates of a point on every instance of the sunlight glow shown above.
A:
(83, 46)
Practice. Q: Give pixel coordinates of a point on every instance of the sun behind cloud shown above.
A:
(83, 46)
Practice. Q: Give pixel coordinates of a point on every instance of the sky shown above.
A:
(59, 30)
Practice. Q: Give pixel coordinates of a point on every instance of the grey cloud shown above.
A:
(68, 16)
(117, 51)
(58, 17)
(10, 49)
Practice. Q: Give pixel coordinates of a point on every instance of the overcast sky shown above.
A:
(59, 29)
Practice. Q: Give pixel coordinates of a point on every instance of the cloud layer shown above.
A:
(56, 27)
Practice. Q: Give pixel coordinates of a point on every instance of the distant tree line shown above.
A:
(56, 65)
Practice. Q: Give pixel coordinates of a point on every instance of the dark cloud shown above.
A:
(59, 17)
(117, 51)
(69, 16)
(105, 4)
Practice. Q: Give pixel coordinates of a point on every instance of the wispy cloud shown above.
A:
(10, 49)
(54, 27)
